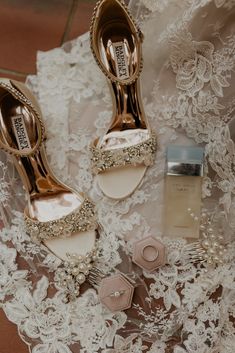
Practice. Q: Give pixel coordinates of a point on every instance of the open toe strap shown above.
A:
(80, 220)
(141, 153)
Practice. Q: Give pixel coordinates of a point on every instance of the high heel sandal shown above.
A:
(120, 158)
(64, 220)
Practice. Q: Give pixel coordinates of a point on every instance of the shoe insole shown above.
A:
(119, 183)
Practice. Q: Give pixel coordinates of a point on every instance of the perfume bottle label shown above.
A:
(121, 61)
(20, 132)
(183, 193)
(181, 188)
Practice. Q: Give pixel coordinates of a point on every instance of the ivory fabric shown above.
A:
(188, 94)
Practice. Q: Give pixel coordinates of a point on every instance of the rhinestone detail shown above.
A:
(80, 220)
(143, 152)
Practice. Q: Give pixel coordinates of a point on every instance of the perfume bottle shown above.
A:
(183, 189)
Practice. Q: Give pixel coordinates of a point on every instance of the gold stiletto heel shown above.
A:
(122, 155)
(54, 211)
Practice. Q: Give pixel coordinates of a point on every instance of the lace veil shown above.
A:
(188, 93)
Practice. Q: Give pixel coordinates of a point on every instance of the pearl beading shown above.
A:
(210, 248)
(75, 271)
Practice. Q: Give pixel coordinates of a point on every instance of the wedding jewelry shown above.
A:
(149, 254)
(116, 292)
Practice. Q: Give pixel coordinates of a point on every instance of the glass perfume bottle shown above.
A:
(183, 190)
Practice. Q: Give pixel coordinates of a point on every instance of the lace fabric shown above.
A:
(188, 85)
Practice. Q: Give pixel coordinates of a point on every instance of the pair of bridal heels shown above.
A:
(56, 215)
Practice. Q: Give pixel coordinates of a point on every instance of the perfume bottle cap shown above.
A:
(185, 160)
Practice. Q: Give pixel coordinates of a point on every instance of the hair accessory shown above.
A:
(75, 271)
(210, 248)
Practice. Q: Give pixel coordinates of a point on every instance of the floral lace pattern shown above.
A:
(182, 307)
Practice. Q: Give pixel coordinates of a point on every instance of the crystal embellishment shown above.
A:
(80, 220)
(143, 152)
